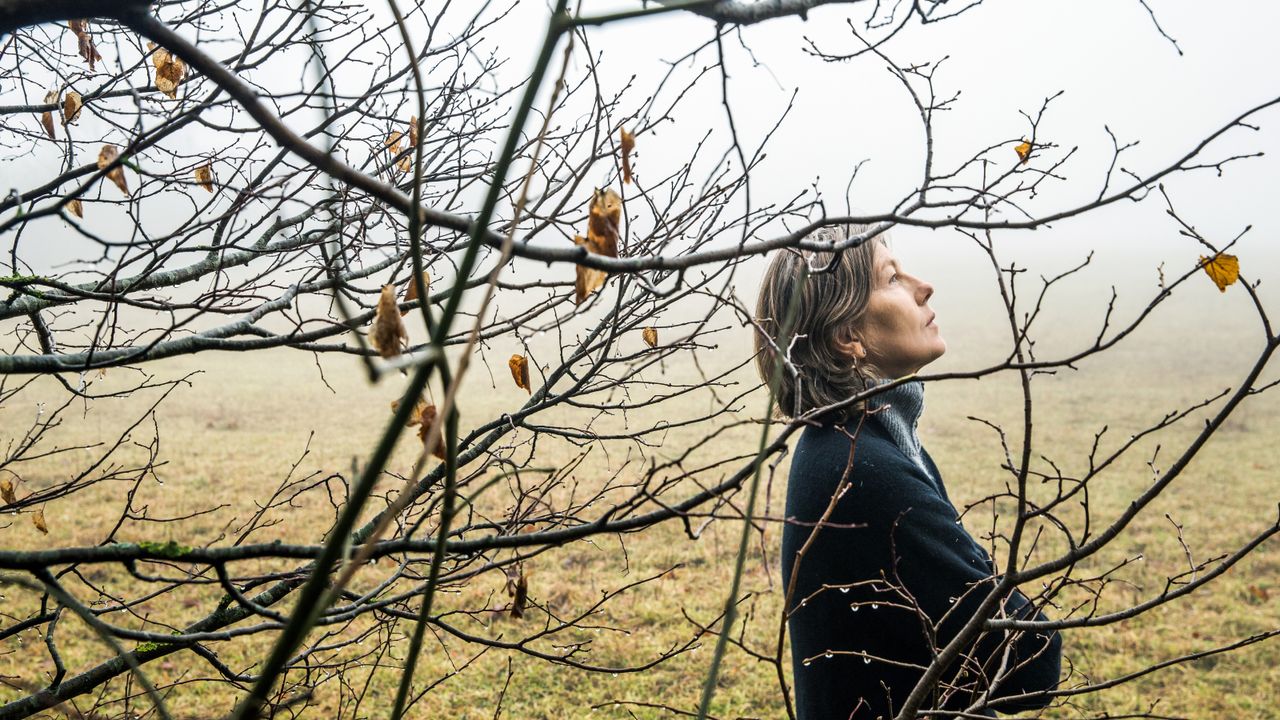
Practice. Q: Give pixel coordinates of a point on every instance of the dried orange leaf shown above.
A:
(427, 418)
(169, 75)
(71, 105)
(518, 589)
(413, 131)
(393, 142)
(75, 207)
(37, 519)
(1024, 152)
(587, 280)
(628, 143)
(650, 335)
(1223, 269)
(204, 176)
(411, 292)
(46, 118)
(106, 156)
(519, 365)
(389, 335)
(7, 492)
(78, 26)
(88, 50)
(605, 217)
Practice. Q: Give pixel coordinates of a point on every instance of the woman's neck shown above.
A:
(899, 409)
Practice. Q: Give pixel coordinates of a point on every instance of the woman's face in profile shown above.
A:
(899, 334)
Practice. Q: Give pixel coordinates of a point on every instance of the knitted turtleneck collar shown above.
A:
(899, 409)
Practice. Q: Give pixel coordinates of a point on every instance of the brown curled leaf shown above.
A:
(519, 365)
(603, 220)
(7, 491)
(37, 519)
(411, 292)
(627, 143)
(427, 418)
(650, 335)
(71, 105)
(75, 207)
(204, 176)
(46, 117)
(389, 336)
(106, 156)
(518, 589)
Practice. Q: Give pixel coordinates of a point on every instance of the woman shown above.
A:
(880, 574)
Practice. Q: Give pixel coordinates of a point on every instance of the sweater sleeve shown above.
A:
(941, 570)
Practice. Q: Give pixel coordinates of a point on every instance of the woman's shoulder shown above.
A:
(861, 439)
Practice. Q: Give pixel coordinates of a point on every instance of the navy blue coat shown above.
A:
(874, 585)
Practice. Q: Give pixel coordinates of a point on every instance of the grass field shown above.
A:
(228, 439)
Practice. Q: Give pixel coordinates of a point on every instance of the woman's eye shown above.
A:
(893, 277)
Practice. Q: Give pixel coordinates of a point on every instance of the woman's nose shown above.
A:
(924, 290)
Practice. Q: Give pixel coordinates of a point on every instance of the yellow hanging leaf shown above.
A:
(7, 492)
(650, 335)
(37, 519)
(519, 365)
(106, 156)
(1223, 269)
(46, 117)
(389, 336)
(71, 105)
(628, 143)
(411, 292)
(75, 207)
(204, 176)
(1024, 152)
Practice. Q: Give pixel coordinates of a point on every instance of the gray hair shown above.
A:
(811, 304)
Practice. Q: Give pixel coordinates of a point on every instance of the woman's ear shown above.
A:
(855, 348)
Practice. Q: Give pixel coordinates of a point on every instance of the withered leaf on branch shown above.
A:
(106, 156)
(650, 335)
(75, 207)
(37, 519)
(46, 117)
(603, 220)
(628, 143)
(71, 105)
(84, 41)
(169, 70)
(1223, 269)
(7, 492)
(423, 415)
(1024, 152)
(519, 365)
(389, 336)
(426, 418)
(204, 176)
(518, 589)
(411, 292)
(393, 142)
(405, 164)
